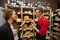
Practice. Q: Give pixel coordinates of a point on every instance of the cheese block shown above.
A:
(36, 19)
(26, 12)
(30, 26)
(47, 13)
(28, 34)
(26, 18)
(47, 17)
(18, 20)
(24, 26)
(19, 11)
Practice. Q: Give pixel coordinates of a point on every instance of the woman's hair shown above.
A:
(8, 13)
(15, 24)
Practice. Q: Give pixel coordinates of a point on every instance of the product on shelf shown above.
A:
(27, 12)
(47, 12)
(28, 34)
(57, 18)
(25, 26)
(30, 26)
(18, 20)
(47, 17)
(58, 13)
(55, 28)
(36, 19)
(55, 37)
(31, 39)
(26, 18)
(56, 24)
(19, 15)
(19, 12)
(28, 9)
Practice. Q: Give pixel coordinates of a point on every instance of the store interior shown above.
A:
(26, 11)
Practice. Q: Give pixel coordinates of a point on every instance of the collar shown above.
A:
(40, 17)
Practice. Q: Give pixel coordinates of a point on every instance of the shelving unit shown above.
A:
(26, 14)
(56, 25)
(47, 14)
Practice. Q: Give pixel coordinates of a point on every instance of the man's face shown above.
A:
(14, 16)
(38, 14)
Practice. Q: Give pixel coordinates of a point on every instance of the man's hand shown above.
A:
(35, 28)
(33, 22)
(23, 22)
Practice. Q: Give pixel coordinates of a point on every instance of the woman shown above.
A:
(9, 30)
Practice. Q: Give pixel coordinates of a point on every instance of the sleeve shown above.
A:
(44, 27)
(1, 33)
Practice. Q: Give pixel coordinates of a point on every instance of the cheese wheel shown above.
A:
(30, 26)
(24, 26)
(47, 17)
(26, 18)
(47, 13)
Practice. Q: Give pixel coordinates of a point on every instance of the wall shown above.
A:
(2, 20)
(2, 3)
(53, 3)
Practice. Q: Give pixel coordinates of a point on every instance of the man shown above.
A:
(42, 25)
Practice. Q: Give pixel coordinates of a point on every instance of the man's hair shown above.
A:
(8, 14)
(40, 9)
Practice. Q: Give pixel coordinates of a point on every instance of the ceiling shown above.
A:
(57, 0)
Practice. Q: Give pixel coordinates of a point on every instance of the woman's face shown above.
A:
(14, 15)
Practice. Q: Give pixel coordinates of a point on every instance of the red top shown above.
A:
(43, 23)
